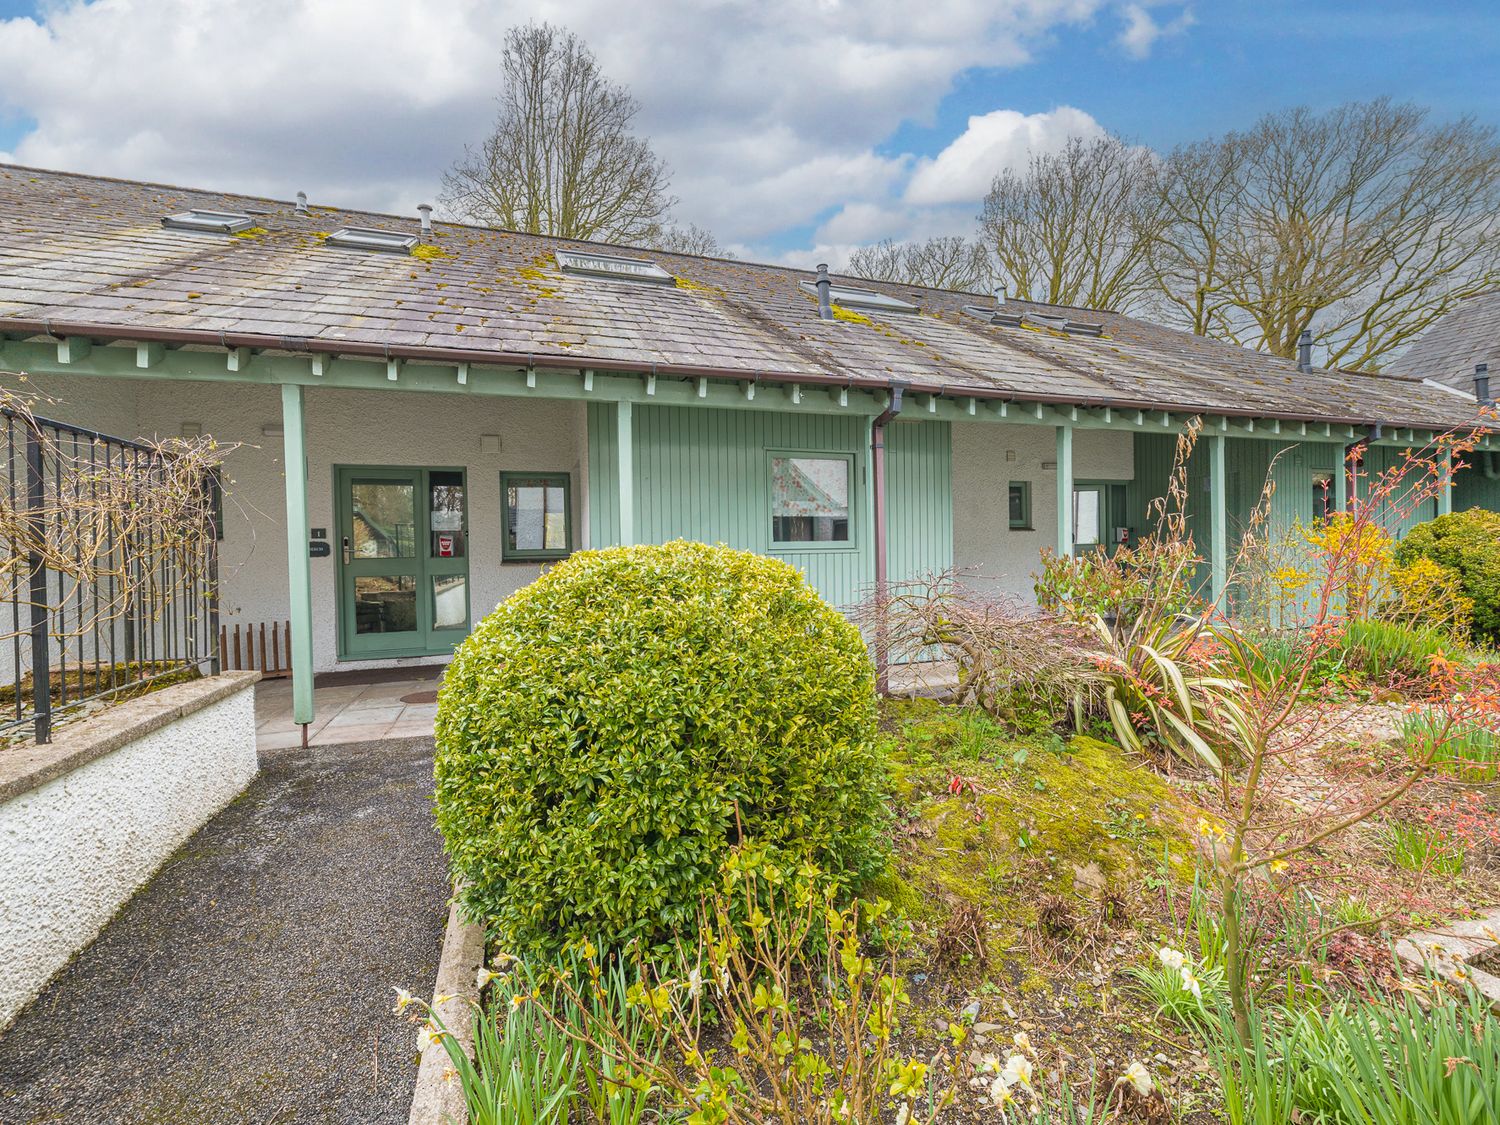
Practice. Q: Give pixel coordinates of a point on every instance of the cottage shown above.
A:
(426, 414)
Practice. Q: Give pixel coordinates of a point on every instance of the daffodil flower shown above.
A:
(1017, 1071)
(403, 999)
(1171, 959)
(1137, 1077)
(1190, 983)
(426, 1034)
(695, 984)
(1000, 1092)
(1023, 1043)
(483, 977)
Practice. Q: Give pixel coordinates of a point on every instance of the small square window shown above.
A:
(538, 515)
(810, 498)
(1020, 505)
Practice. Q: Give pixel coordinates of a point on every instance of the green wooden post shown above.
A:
(625, 470)
(1219, 516)
(1445, 496)
(1065, 529)
(299, 566)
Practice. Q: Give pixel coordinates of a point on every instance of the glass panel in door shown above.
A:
(1088, 516)
(403, 561)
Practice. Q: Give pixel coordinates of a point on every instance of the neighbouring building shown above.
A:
(425, 414)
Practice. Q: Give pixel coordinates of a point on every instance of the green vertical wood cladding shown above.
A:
(705, 474)
(919, 487)
(1477, 484)
(603, 493)
(1384, 459)
(1247, 464)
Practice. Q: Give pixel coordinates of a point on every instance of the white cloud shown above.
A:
(994, 141)
(769, 111)
(1142, 30)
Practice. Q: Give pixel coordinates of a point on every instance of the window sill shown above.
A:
(814, 546)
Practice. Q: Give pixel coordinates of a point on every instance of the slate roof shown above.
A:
(88, 256)
(1448, 351)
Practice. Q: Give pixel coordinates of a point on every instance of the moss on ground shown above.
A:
(1000, 826)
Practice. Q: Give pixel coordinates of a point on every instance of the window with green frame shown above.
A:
(538, 513)
(810, 499)
(1020, 505)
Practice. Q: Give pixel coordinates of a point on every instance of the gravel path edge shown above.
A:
(437, 1098)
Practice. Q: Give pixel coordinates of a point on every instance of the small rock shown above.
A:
(1089, 876)
(988, 1028)
(971, 1010)
(941, 1025)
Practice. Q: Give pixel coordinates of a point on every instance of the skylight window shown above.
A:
(853, 297)
(369, 238)
(998, 317)
(215, 222)
(613, 265)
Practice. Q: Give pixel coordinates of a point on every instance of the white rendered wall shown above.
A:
(396, 428)
(1003, 560)
(77, 847)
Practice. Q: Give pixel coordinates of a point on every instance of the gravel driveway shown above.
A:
(250, 981)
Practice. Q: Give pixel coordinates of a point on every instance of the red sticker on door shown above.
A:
(445, 546)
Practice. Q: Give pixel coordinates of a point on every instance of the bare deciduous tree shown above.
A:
(1364, 224)
(562, 158)
(1076, 227)
(941, 263)
(689, 239)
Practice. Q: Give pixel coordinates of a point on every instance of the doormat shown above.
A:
(420, 697)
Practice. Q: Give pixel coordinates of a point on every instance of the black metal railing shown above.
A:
(111, 574)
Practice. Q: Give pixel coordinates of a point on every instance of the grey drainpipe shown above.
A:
(825, 303)
(877, 472)
(1482, 384)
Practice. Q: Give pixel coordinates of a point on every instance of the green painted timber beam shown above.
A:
(625, 469)
(1218, 518)
(298, 557)
(1065, 529)
(76, 356)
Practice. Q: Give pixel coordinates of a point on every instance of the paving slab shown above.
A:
(250, 980)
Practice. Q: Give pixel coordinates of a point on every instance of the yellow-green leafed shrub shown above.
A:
(610, 731)
(1468, 545)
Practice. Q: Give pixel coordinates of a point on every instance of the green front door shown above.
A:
(1098, 508)
(403, 561)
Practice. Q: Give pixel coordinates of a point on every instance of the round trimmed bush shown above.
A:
(1468, 544)
(608, 733)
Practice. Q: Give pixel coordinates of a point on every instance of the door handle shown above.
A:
(348, 554)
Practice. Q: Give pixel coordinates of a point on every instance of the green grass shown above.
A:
(1468, 752)
(1374, 1062)
(1386, 652)
(1422, 849)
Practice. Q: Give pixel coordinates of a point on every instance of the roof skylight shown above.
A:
(853, 297)
(998, 317)
(216, 222)
(369, 238)
(613, 265)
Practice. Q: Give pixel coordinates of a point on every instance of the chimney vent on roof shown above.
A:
(1304, 350)
(302, 203)
(1002, 294)
(1482, 384)
(425, 210)
(824, 284)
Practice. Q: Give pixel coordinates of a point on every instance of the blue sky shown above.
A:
(797, 128)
